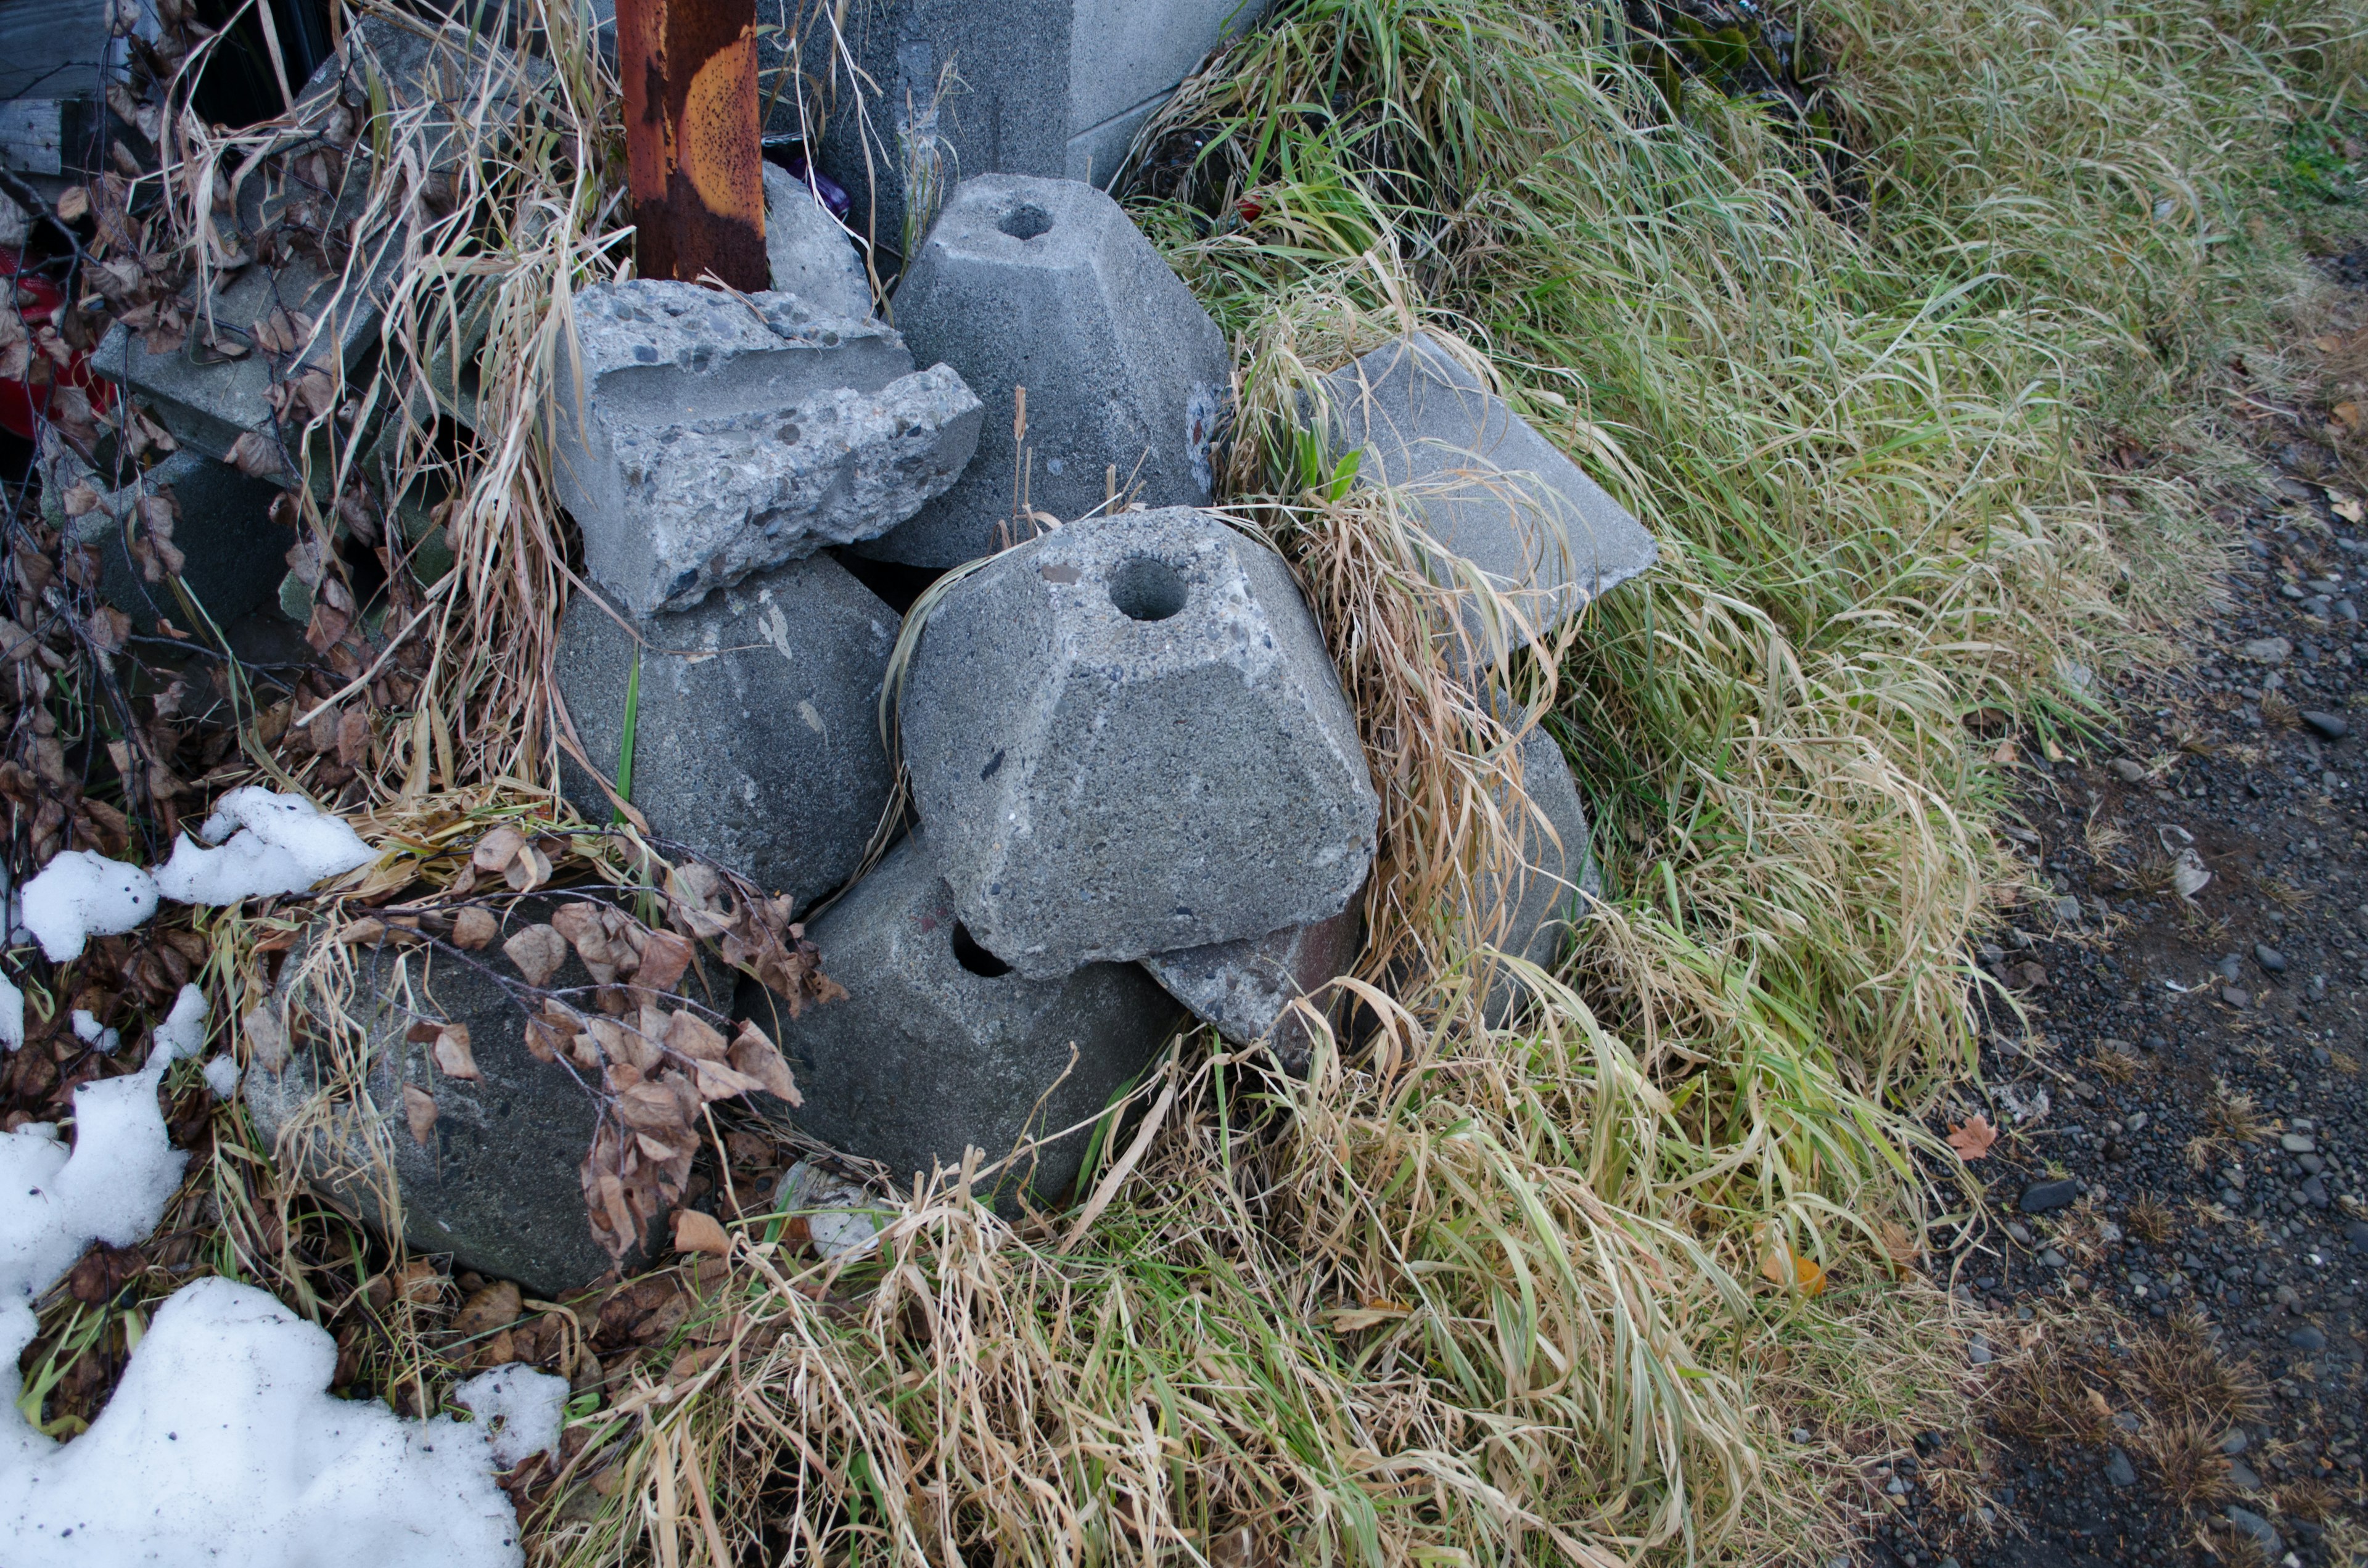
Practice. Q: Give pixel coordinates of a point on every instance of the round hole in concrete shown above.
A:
(1026, 221)
(973, 957)
(1148, 588)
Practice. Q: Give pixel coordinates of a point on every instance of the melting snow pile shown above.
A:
(12, 1015)
(278, 844)
(81, 895)
(222, 1444)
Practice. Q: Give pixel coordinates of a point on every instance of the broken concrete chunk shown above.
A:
(498, 1185)
(1246, 988)
(1486, 486)
(1543, 900)
(233, 553)
(809, 255)
(1046, 284)
(741, 379)
(1127, 738)
(702, 503)
(938, 1047)
(757, 724)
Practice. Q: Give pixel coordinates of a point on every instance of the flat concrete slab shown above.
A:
(757, 727)
(1047, 285)
(1486, 486)
(938, 1047)
(1128, 738)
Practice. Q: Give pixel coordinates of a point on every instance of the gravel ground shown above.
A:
(2180, 1191)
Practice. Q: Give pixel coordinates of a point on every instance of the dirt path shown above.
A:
(2182, 1175)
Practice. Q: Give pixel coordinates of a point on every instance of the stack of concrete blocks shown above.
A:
(1491, 493)
(719, 444)
(1053, 88)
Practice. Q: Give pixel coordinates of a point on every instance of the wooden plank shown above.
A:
(693, 138)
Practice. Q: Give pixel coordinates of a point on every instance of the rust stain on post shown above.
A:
(692, 137)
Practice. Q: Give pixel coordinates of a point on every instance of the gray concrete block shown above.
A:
(1542, 899)
(1047, 285)
(809, 255)
(936, 1047)
(702, 503)
(498, 1186)
(1127, 738)
(757, 732)
(660, 358)
(235, 554)
(1046, 87)
(1485, 485)
(1246, 988)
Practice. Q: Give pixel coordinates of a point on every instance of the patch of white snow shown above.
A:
(527, 1404)
(277, 844)
(223, 1075)
(12, 1015)
(183, 1032)
(81, 895)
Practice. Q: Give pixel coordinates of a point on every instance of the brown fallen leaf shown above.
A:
(472, 928)
(419, 1110)
(718, 1082)
(496, 849)
(1804, 1274)
(694, 1231)
(1973, 1139)
(496, 1306)
(695, 1037)
(665, 956)
(529, 870)
(649, 1109)
(2347, 413)
(453, 1057)
(756, 1057)
(538, 951)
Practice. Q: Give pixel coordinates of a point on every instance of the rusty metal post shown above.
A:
(693, 138)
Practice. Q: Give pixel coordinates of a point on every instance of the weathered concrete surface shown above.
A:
(235, 553)
(937, 1048)
(497, 1187)
(1047, 285)
(1127, 738)
(1486, 486)
(661, 356)
(702, 503)
(1246, 988)
(808, 253)
(1046, 87)
(757, 736)
(1543, 899)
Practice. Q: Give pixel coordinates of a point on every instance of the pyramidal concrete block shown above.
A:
(1246, 988)
(1127, 738)
(1486, 486)
(1545, 896)
(756, 725)
(716, 437)
(807, 253)
(1047, 285)
(938, 1047)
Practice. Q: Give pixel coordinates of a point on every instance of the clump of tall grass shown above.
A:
(1555, 1289)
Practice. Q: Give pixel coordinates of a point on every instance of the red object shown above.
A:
(23, 403)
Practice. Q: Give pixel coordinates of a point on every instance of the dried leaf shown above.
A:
(695, 1037)
(419, 1110)
(256, 455)
(367, 931)
(496, 1306)
(538, 951)
(756, 1057)
(74, 203)
(353, 738)
(2347, 413)
(1972, 1140)
(529, 870)
(80, 500)
(497, 849)
(473, 928)
(453, 1057)
(1803, 1273)
(656, 1149)
(266, 1042)
(718, 1082)
(2349, 509)
(694, 1231)
(650, 1108)
(665, 955)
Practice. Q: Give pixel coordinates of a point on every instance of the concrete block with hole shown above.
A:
(755, 721)
(1482, 483)
(1246, 988)
(939, 1046)
(498, 1184)
(1127, 738)
(1047, 285)
(1048, 87)
(1544, 897)
(808, 253)
(718, 436)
